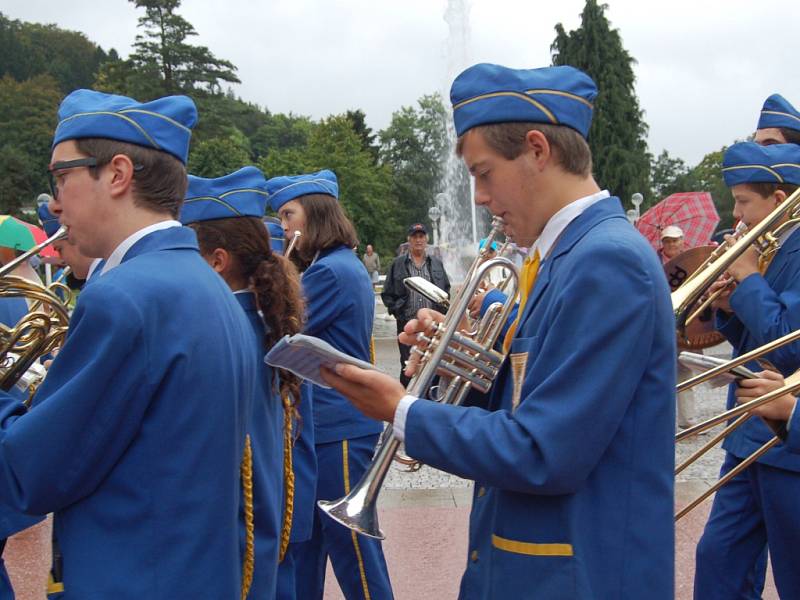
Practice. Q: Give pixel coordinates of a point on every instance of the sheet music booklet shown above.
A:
(303, 355)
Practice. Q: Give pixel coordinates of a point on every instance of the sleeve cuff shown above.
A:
(400, 415)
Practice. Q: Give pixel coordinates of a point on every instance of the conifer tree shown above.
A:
(618, 136)
(183, 67)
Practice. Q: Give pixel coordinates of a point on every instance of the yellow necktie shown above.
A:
(527, 277)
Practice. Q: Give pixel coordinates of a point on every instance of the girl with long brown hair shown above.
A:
(340, 310)
(226, 213)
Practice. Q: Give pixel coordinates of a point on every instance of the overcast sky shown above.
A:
(704, 66)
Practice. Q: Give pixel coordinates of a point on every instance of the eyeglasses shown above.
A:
(54, 171)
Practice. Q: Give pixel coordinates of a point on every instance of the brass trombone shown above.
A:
(740, 413)
(764, 236)
(466, 358)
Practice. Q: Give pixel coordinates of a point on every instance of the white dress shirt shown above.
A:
(119, 252)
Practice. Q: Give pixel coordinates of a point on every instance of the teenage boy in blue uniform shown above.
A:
(573, 455)
(135, 438)
(340, 306)
(757, 507)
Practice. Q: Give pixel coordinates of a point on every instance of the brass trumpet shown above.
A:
(466, 358)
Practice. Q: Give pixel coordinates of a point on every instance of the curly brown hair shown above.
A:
(272, 278)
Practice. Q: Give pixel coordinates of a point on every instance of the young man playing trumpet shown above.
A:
(573, 454)
(757, 507)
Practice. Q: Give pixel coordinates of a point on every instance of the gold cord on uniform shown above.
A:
(288, 476)
(248, 565)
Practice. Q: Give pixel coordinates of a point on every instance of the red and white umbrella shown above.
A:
(693, 212)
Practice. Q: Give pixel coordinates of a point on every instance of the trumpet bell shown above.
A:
(426, 288)
(353, 511)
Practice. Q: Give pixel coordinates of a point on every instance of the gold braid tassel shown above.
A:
(372, 349)
(246, 472)
(288, 477)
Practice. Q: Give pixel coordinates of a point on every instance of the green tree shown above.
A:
(30, 49)
(218, 156)
(364, 188)
(668, 175)
(618, 136)
(414, 146)
(27, 120)
(280, 133)
(359, 121)
(183, 67)
(706, 176)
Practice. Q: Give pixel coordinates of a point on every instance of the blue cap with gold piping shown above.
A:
(48, 220)
(777, 112)
(277, 239)
(164, 124)
(486, 93)
(283, 189)
(748, 162)
(242, 193)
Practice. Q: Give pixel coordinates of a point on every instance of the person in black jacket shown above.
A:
(402, 303)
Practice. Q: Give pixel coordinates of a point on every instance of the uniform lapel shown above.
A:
(600, 211)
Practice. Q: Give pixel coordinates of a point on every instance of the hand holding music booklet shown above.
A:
(303, 355)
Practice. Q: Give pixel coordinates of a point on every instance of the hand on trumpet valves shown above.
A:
(373, 393)
(779, 409)
(745, 265)
(475, 304)
(424, 324)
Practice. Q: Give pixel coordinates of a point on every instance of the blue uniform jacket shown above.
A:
(135, 438)
(340, 310)
(765, 308)
(12, 521)
(304, 465)
(573, 460)
(266, 438)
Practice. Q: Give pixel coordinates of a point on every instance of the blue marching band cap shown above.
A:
(48, 220)
(242, 193)
(748, 162)
(164, 124)
(777, 112)
(286, 188)
(486, 93)
(277, 238)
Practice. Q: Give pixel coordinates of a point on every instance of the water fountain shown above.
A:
(458, 227)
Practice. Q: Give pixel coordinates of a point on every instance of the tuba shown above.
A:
(38, 333)
(463, 359)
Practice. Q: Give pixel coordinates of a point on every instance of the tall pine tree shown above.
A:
(618, 137)
(183, 67)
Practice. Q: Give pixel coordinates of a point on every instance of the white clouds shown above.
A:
(704, 66)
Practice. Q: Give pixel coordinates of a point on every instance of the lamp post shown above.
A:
(434, 214)
(636, 200)
(631, 214)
